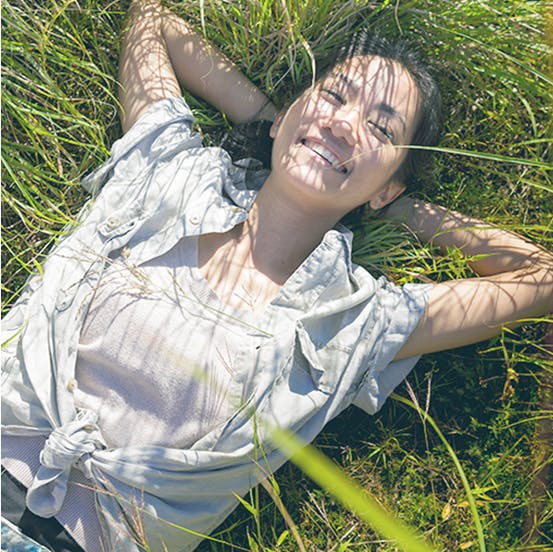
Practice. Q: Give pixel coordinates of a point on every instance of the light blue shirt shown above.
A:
(327, 340)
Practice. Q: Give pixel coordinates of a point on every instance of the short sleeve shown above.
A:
(400, 310)
(161, 132)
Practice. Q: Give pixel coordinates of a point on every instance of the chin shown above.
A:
(305, 179)
(311, 176)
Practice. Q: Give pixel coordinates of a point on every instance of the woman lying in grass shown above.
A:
(201, 303)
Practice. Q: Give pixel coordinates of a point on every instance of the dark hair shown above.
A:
(252, 139)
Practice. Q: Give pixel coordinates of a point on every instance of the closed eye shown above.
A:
(336, 95)
(385, 131)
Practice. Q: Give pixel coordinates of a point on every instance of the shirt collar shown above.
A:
(325, 273)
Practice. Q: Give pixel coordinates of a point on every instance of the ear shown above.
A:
(392, 190)
(276, 124)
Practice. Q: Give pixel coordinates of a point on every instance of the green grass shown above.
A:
(60, 117)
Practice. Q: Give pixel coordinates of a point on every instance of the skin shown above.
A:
(334, 146)
(159, 46)
(308, 190)
(331, 153)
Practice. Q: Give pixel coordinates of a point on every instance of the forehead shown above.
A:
(374, 74)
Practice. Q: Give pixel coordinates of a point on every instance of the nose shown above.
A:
(344, 123)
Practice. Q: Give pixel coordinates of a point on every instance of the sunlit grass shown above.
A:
(60, 117)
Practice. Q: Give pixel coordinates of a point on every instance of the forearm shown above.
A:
(492, 250)
(515, 283)
(160, 50)
(206, 72)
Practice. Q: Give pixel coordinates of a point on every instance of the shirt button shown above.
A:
(113, 221)
(72, 385)
(195, 219)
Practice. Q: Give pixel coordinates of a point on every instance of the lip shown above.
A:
(326, 152)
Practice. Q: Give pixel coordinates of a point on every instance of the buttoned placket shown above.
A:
(263, 351)
(72, 443)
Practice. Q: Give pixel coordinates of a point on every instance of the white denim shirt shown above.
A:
(327, 340)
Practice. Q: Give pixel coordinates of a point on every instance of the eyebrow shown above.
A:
(383, 107)
(346, 80)
(389, 110)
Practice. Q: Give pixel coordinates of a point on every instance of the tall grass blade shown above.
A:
(470, 497)
(351, 494)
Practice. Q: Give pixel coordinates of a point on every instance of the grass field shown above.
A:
(490, 402)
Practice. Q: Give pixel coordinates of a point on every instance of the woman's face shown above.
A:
(336, 144)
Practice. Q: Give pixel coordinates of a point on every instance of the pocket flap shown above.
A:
(326, 363)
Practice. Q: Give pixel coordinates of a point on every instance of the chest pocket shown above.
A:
(325, 362)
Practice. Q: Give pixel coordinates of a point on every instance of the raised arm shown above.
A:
(515, 283)
(161, 50)
(146, 74)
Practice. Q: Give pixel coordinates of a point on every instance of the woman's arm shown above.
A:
(160, 50)
(515, 283)
(146, 74)
(205, 72)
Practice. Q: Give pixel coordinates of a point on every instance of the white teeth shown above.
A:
(326, 154)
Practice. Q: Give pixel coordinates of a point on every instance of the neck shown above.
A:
(281, 233)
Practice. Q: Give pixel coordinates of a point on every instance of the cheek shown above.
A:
(320, 111)
(387, 153)
(375, 153)
(305, 111)
(379, 159)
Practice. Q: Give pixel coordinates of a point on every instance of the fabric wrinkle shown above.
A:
(327, 339)
(65, 447)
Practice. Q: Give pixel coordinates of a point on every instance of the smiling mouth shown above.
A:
(329, 156)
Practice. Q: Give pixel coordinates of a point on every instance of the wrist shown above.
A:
(268, 112)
